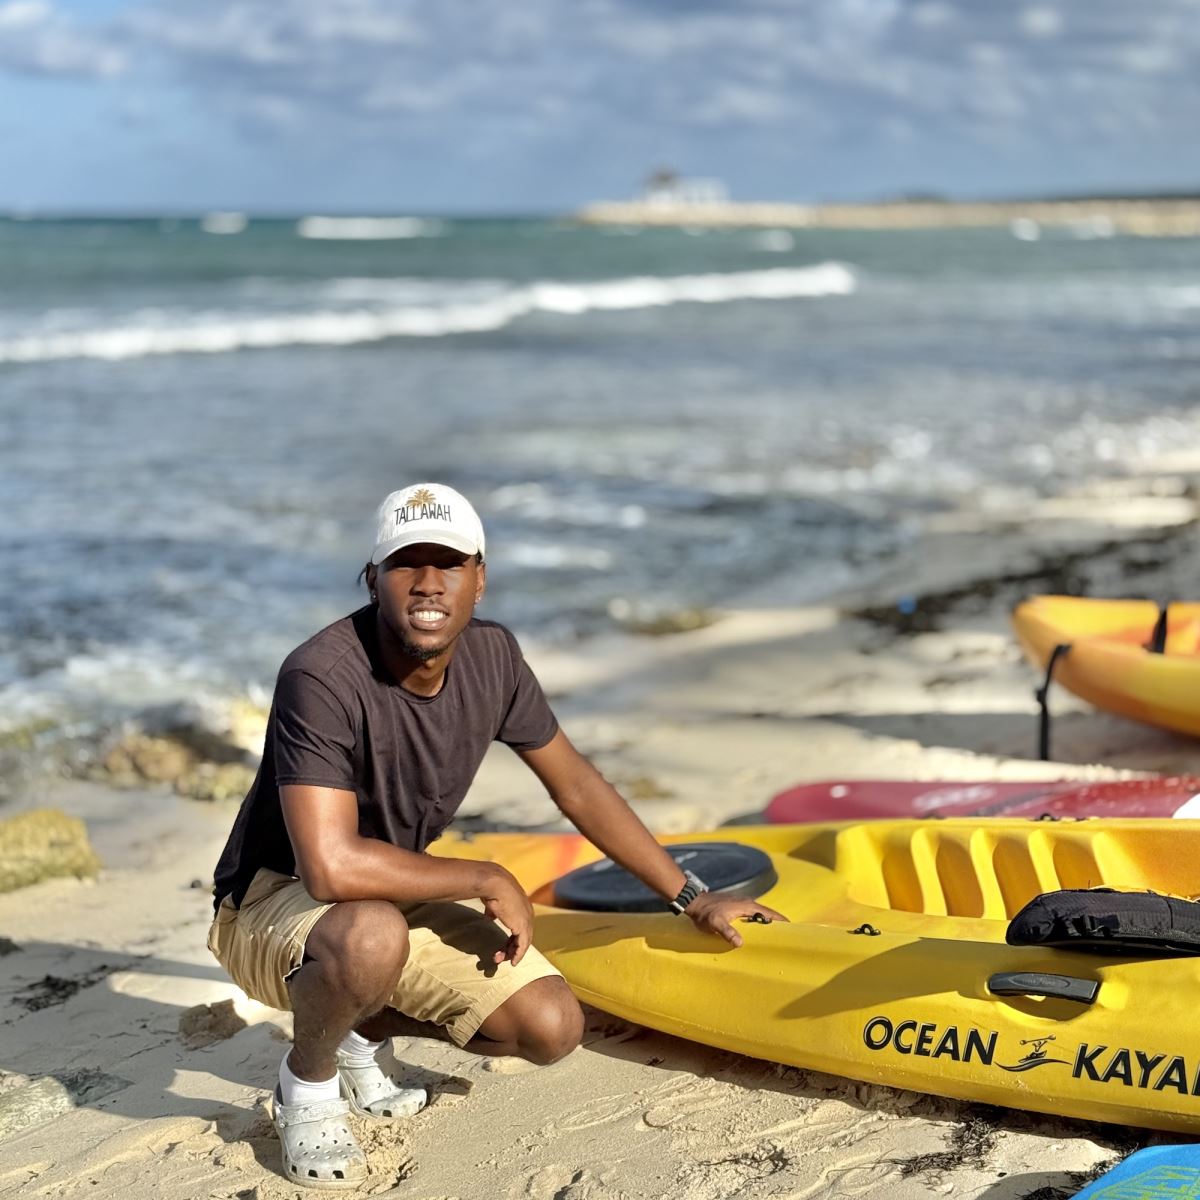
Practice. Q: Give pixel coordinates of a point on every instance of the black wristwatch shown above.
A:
(691, 889)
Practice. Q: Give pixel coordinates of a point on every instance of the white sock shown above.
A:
(356, 1051)
(293, 1090)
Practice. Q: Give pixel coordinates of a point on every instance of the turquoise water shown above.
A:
(198, 426)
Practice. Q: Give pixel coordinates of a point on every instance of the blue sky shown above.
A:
(541, 105)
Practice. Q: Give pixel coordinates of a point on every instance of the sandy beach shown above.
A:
(130, 1066)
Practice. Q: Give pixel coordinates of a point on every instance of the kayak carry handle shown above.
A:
(1042, 983)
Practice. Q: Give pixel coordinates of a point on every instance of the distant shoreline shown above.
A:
(1141, 217)
(1169, 215)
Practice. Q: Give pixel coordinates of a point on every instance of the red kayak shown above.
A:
(867, 799)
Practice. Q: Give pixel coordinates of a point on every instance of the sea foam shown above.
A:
(366, 229)
(217, 333)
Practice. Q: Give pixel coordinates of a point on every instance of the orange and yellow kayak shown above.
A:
(1109, 663)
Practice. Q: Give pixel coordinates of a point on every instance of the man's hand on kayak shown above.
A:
(715, 913)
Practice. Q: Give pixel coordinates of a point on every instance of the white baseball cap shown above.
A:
(426, 512)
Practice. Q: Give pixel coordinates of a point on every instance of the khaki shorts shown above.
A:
(449, 979)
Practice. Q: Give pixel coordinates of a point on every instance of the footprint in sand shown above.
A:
(508, 1066)
(559, 1182)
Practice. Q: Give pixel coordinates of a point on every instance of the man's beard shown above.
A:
(409, 648)
(422, 654)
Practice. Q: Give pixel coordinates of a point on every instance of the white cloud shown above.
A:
(274, 112)
(1151, 59)
(21, 14)
(987, 55)
(1041, 22)
(933, 15)
(37, 39)
(477, 72)
(232, 34)
(364, 22)
(733, 103)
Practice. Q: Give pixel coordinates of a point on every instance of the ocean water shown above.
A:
(199, 419)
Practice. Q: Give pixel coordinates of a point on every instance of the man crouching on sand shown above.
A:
(326, 902)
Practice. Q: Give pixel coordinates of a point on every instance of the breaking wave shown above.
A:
(219, 333)
(366, 229)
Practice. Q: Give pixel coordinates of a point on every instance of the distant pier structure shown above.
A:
(665, 191)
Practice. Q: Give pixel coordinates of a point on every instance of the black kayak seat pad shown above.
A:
(729, 867)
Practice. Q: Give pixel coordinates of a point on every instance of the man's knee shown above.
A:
(551, 1022)
(362, 946)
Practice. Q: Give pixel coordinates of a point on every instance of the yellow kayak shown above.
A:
(894, 967)
(1109, 664)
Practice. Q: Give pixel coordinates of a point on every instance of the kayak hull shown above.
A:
(1108, 664)
(909, 1005)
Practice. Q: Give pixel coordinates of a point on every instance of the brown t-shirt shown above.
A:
(339, 720)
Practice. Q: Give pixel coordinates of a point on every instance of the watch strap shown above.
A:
(693, 887)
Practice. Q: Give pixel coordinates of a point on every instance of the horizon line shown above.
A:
(24, 212)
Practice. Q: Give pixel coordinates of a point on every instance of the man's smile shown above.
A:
(428, 618)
